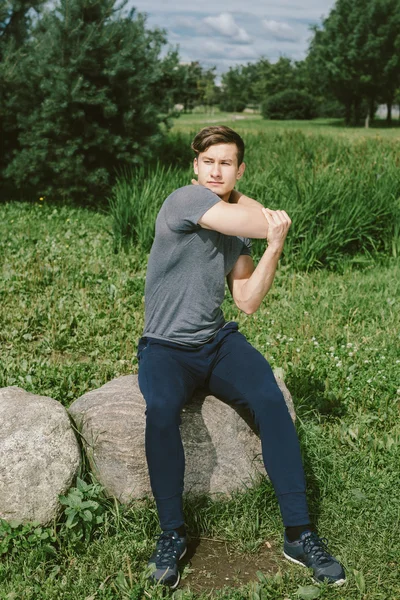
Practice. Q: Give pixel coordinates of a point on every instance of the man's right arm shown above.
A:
(235, 219)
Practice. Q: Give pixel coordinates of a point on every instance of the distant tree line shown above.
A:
(87, 89)
(353, 64)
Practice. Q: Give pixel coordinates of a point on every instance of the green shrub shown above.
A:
(231, 105)
(90, 93)
(290, 104)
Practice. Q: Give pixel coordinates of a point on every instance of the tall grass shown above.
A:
(343, 196)
(135, 201)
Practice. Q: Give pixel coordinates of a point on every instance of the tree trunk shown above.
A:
(371, 109)
(348, 113)
(389, 114)
(356, 114)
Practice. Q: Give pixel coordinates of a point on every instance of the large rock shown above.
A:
(39, 455)
(222, 451)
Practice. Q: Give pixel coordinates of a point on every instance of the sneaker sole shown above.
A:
(298, 562)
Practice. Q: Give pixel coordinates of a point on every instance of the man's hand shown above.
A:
(278, 227)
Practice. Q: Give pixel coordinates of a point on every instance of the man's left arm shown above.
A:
(249, 286)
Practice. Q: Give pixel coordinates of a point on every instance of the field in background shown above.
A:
(72, 310)
(248, 123)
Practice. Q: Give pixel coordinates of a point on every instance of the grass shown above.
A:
(254, 123)
(72, 311)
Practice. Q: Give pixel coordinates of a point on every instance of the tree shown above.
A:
(90, 95)
(16, 18)
(234, 90)
(209, 93)
(334, 55)
(385, 52)
(355, 54)
(195, 85)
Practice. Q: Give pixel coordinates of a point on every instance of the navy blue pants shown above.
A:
(233, 370)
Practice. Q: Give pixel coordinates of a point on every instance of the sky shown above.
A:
(224, 34)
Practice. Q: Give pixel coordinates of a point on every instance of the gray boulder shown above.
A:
(222, 451)
(39, 456)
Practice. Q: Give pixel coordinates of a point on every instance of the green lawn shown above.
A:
(248, 123)
(72, 311)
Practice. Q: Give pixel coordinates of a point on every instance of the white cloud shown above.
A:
(213, 49)
(280, 30)
(191, 23)
(225, 25)
(269, 28)
(278, 9)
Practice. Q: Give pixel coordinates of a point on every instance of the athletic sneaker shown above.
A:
(312, 551)
(163, 563)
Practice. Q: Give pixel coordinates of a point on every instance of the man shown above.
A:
(202, 236)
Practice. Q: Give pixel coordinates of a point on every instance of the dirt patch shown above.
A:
(210, 564)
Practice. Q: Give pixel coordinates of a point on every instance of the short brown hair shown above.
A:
(218, 134)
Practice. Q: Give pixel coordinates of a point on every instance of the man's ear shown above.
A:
(195, 167)
(241, 170)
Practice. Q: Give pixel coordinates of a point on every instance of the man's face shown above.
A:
(218, 170)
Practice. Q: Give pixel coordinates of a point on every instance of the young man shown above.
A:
(202, 236)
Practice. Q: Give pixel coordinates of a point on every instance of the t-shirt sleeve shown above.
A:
(185, 206)
(246, 248)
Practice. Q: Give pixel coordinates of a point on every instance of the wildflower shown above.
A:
(41, 198)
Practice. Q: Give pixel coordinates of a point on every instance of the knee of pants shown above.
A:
(266, 400)
(161, 416)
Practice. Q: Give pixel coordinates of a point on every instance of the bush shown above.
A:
(232, 105)
(290, 104)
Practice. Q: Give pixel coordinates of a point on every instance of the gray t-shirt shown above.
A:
(185, 280)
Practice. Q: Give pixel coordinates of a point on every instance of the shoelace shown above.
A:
(318, 546)
(167, 549)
